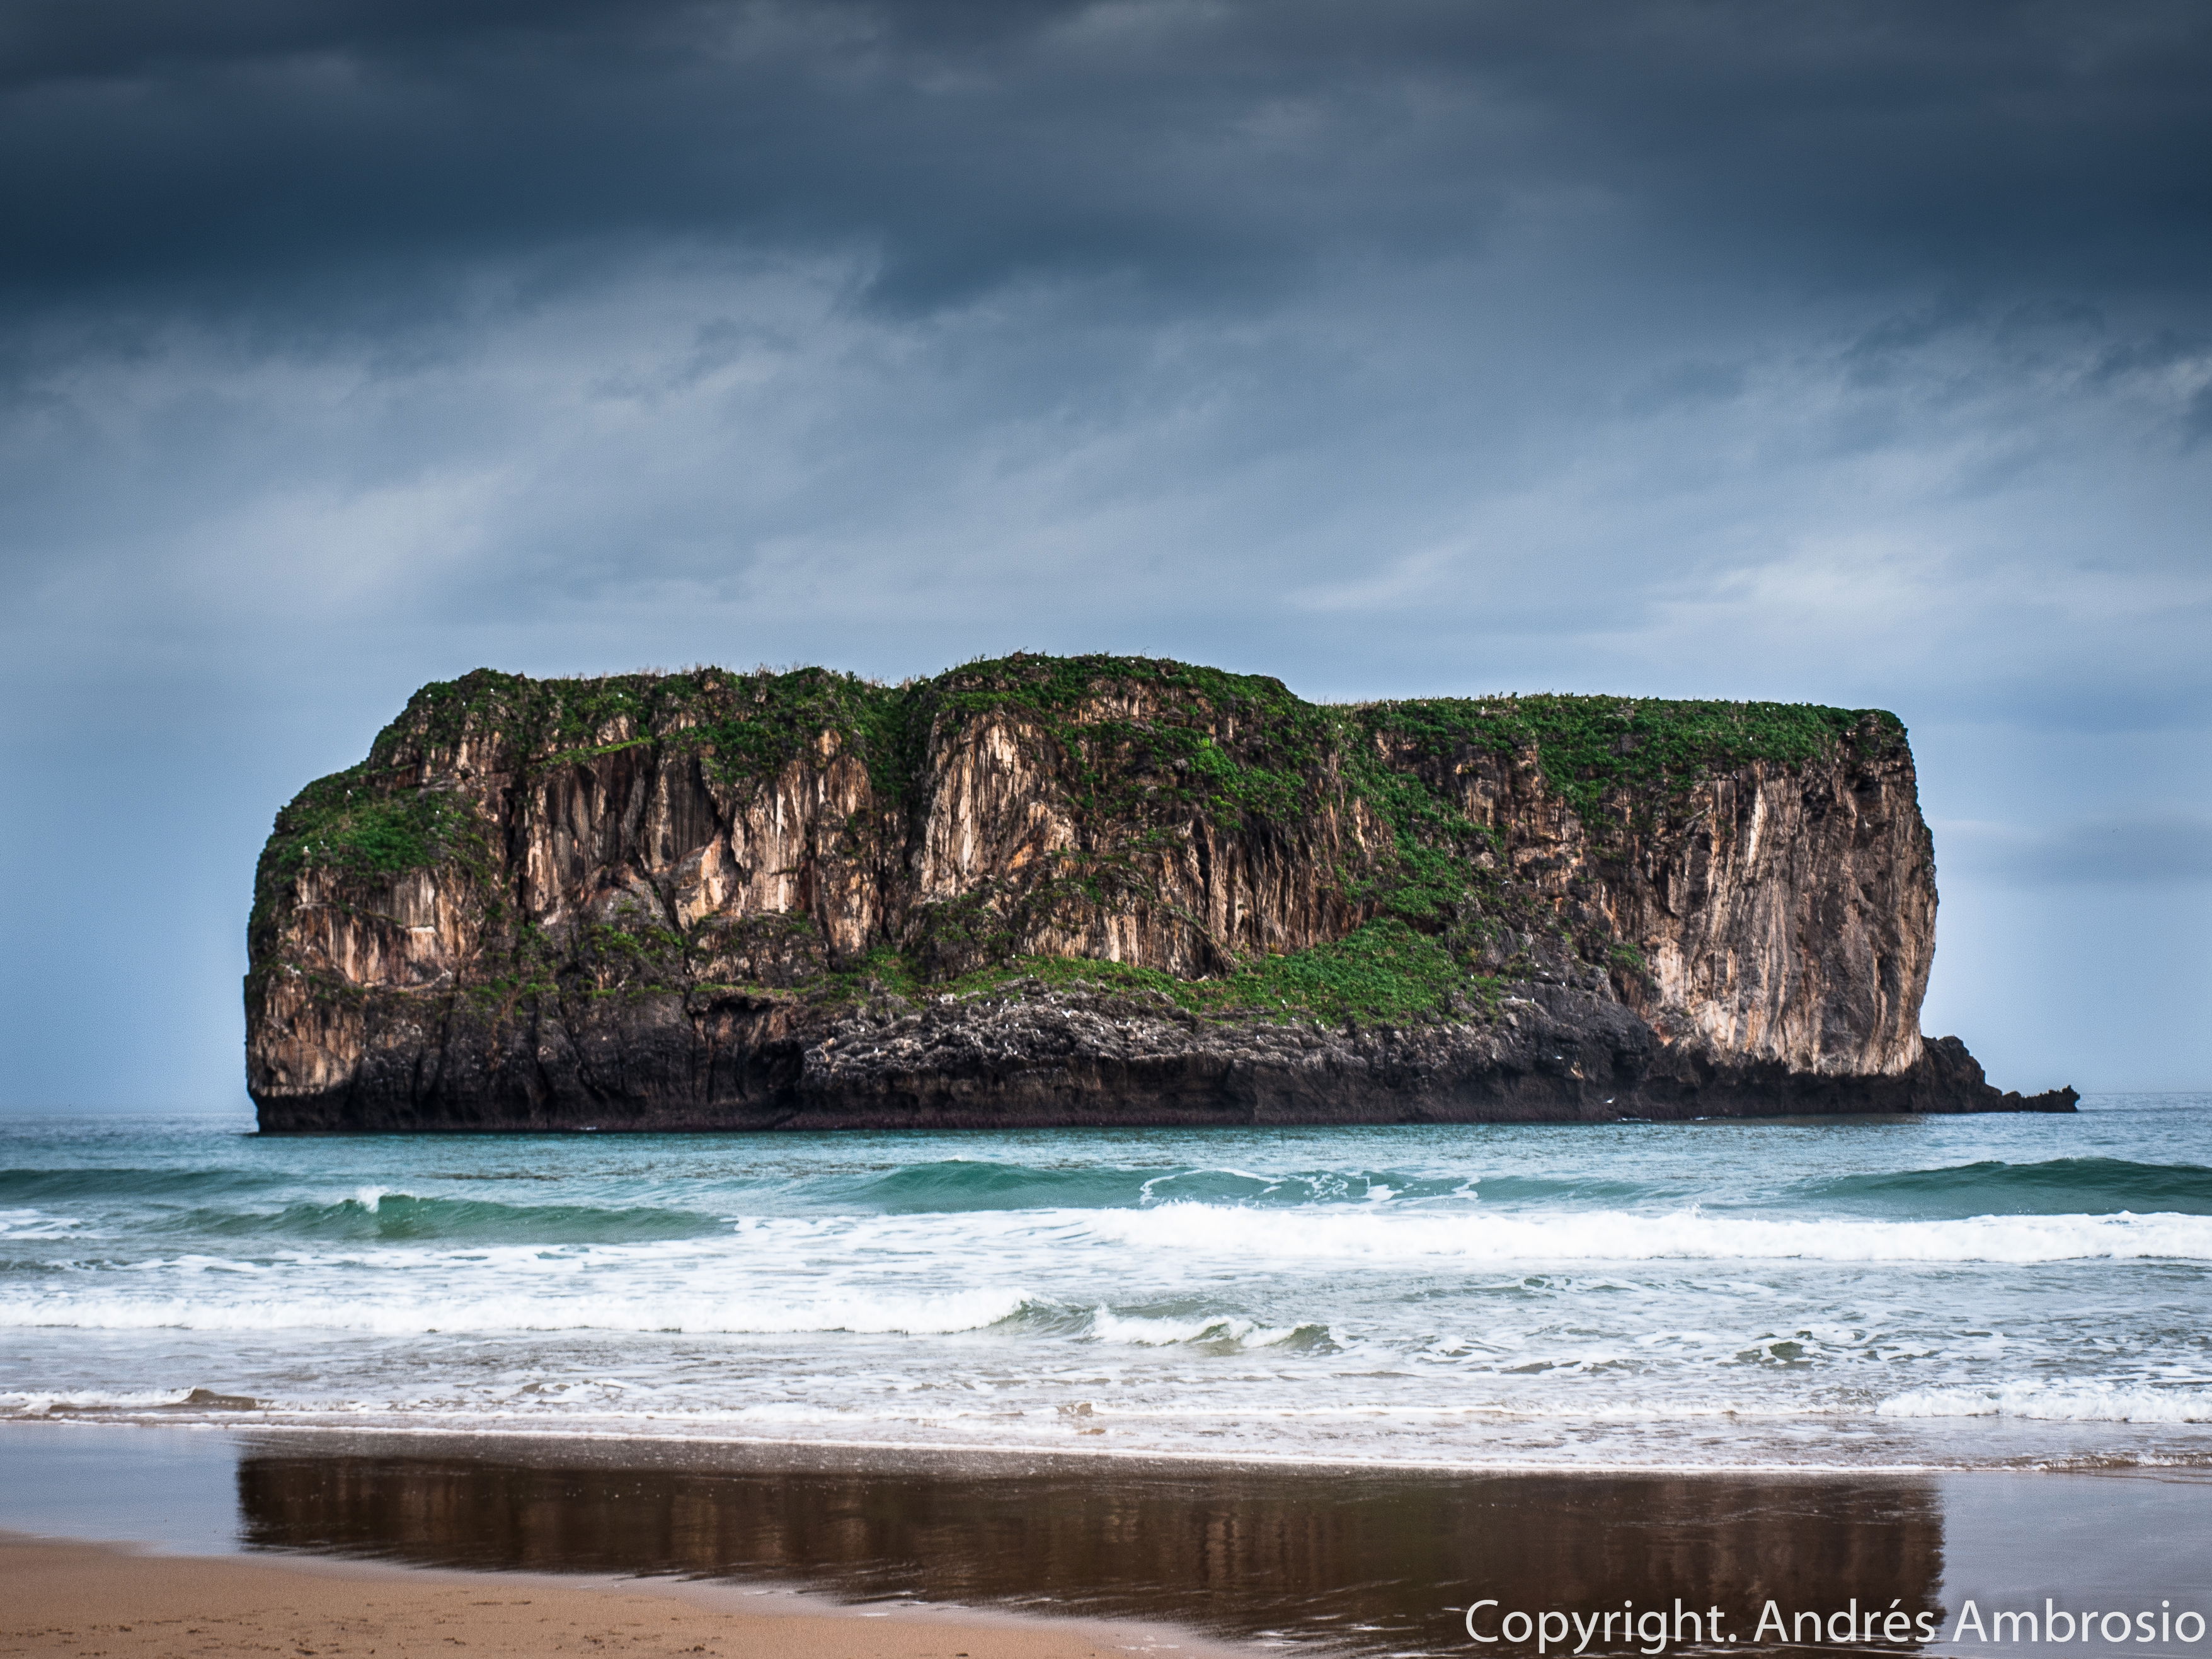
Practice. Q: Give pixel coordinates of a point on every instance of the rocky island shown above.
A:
(1057, 892)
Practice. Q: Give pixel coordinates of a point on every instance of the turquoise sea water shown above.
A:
(1886, 1293)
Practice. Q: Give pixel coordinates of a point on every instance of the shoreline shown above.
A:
(892, 1453)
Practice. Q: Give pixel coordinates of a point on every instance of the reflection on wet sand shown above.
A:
(1380, 1561)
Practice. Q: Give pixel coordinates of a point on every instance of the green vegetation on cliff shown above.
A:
(344, 822)
(1594, 747)
(750, 726)
(747, 727)
(349, 823)
(1382, 971)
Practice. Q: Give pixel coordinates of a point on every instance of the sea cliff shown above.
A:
(1093, 890)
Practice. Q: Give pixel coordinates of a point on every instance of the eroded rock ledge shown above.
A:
(1093, 890)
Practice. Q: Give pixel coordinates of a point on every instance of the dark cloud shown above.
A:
(236, 151)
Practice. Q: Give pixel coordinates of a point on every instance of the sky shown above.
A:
(1845, 353)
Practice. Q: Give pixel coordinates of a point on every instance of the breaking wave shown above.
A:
(1621, 1235)
(949, 1186)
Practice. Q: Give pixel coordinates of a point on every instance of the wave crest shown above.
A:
(377, 1215)
(1681, 1235)
(2094, 1186)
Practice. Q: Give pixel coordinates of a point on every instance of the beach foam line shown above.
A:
(2059, 1402)
(860, 1314)
(1383, 1237)
(36, 1403)
(933, 1316)
(1611, 1455)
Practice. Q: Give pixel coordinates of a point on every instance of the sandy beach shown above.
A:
(324, 1544)
(65, 1598)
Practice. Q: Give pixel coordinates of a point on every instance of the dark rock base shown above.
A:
(1031, 1058)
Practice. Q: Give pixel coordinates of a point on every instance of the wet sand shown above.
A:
(80, 1600)
(1364, 1561)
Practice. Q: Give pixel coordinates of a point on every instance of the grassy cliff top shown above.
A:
(1227, 745)
(755, 722)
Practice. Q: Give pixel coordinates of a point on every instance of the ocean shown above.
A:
(1867, 1295)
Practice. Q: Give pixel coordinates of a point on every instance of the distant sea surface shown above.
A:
(1888, 1293)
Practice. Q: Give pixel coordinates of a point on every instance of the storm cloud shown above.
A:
(1994, 150)
(1847, 353)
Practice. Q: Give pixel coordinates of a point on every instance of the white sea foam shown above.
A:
(1381, 1235)
(936, 1315)
(32, 1403)
(1365, 1234)
(2059, 1402)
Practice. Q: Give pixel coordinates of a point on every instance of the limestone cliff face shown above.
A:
(1785, 914)
(1091, 890)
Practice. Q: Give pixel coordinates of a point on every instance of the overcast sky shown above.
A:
(1857, 354)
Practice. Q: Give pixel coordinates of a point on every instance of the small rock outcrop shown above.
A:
(1093, 890)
